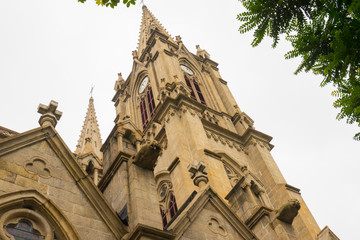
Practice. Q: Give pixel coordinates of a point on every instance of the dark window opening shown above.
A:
(163, 217)
(190, 86)
(172, 205)
(147, 107)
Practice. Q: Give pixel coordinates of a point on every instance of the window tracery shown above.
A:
(167, 202)
(23, 230)
(233, 176)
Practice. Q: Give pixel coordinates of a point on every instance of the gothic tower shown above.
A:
(184, 162)
(88, 148)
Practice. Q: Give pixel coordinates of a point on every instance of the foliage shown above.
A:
(325, 33)
(112, 3)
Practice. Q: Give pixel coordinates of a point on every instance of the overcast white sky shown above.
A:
(56, 49)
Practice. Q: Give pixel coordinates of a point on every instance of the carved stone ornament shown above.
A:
(38, 166)
(198, 173)
(215, 226)
(288, 211)
(147, 156)
(49, 114)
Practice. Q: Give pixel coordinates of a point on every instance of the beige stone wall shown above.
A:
(116, 191)
(60, 187)
(210, 224)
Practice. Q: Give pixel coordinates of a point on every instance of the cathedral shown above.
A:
(181, 162)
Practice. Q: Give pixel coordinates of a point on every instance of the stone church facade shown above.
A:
(181, 162)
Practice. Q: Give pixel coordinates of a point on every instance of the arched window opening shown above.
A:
(193, 85)
(147, 102)
(172, 205)
(23, 230)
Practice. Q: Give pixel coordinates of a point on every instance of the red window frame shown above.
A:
(151, 102)
(163, 217)
(187, 80)
(144, 116)
(198, 90)
(172, 205)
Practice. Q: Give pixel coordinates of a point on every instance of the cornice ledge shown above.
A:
(212, 154)
(107, 141)
(21, 140)
(176, 103)
(142, 230)
(106, 179)
(252, 133)
(258, 213)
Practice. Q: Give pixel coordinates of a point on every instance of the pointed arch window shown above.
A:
(172, 205)
(193, 85)
(147, 102)
(167, 202)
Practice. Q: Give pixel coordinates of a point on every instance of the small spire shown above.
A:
(148, 24)
(90, 138)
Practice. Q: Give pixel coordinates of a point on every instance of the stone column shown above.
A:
(96, 176)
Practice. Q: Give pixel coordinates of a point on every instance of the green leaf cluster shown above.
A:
(112, 3)
(324, 33)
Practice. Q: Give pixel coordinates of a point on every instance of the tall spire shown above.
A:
(90, 139)
(148, 24)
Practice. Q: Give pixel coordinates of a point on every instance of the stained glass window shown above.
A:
(23, 230)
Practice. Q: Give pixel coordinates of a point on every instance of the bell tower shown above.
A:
(180, 141)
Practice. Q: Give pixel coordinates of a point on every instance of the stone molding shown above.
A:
(208, 195)
(145, 232)
(106, 179)
(258, 213)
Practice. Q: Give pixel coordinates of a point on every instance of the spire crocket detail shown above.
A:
(90, 138)
(148, 24)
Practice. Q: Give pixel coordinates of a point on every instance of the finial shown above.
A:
(50, 115)
(198, 173)
(178, 39)
(201, 52)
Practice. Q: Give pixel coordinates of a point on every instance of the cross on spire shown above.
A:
(49, 114)
(92, 89)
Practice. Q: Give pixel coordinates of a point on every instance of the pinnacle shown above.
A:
(148, 24)
(90, 138)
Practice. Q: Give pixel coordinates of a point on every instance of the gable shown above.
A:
(211, 224)
(209, 217)
(39, 160)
